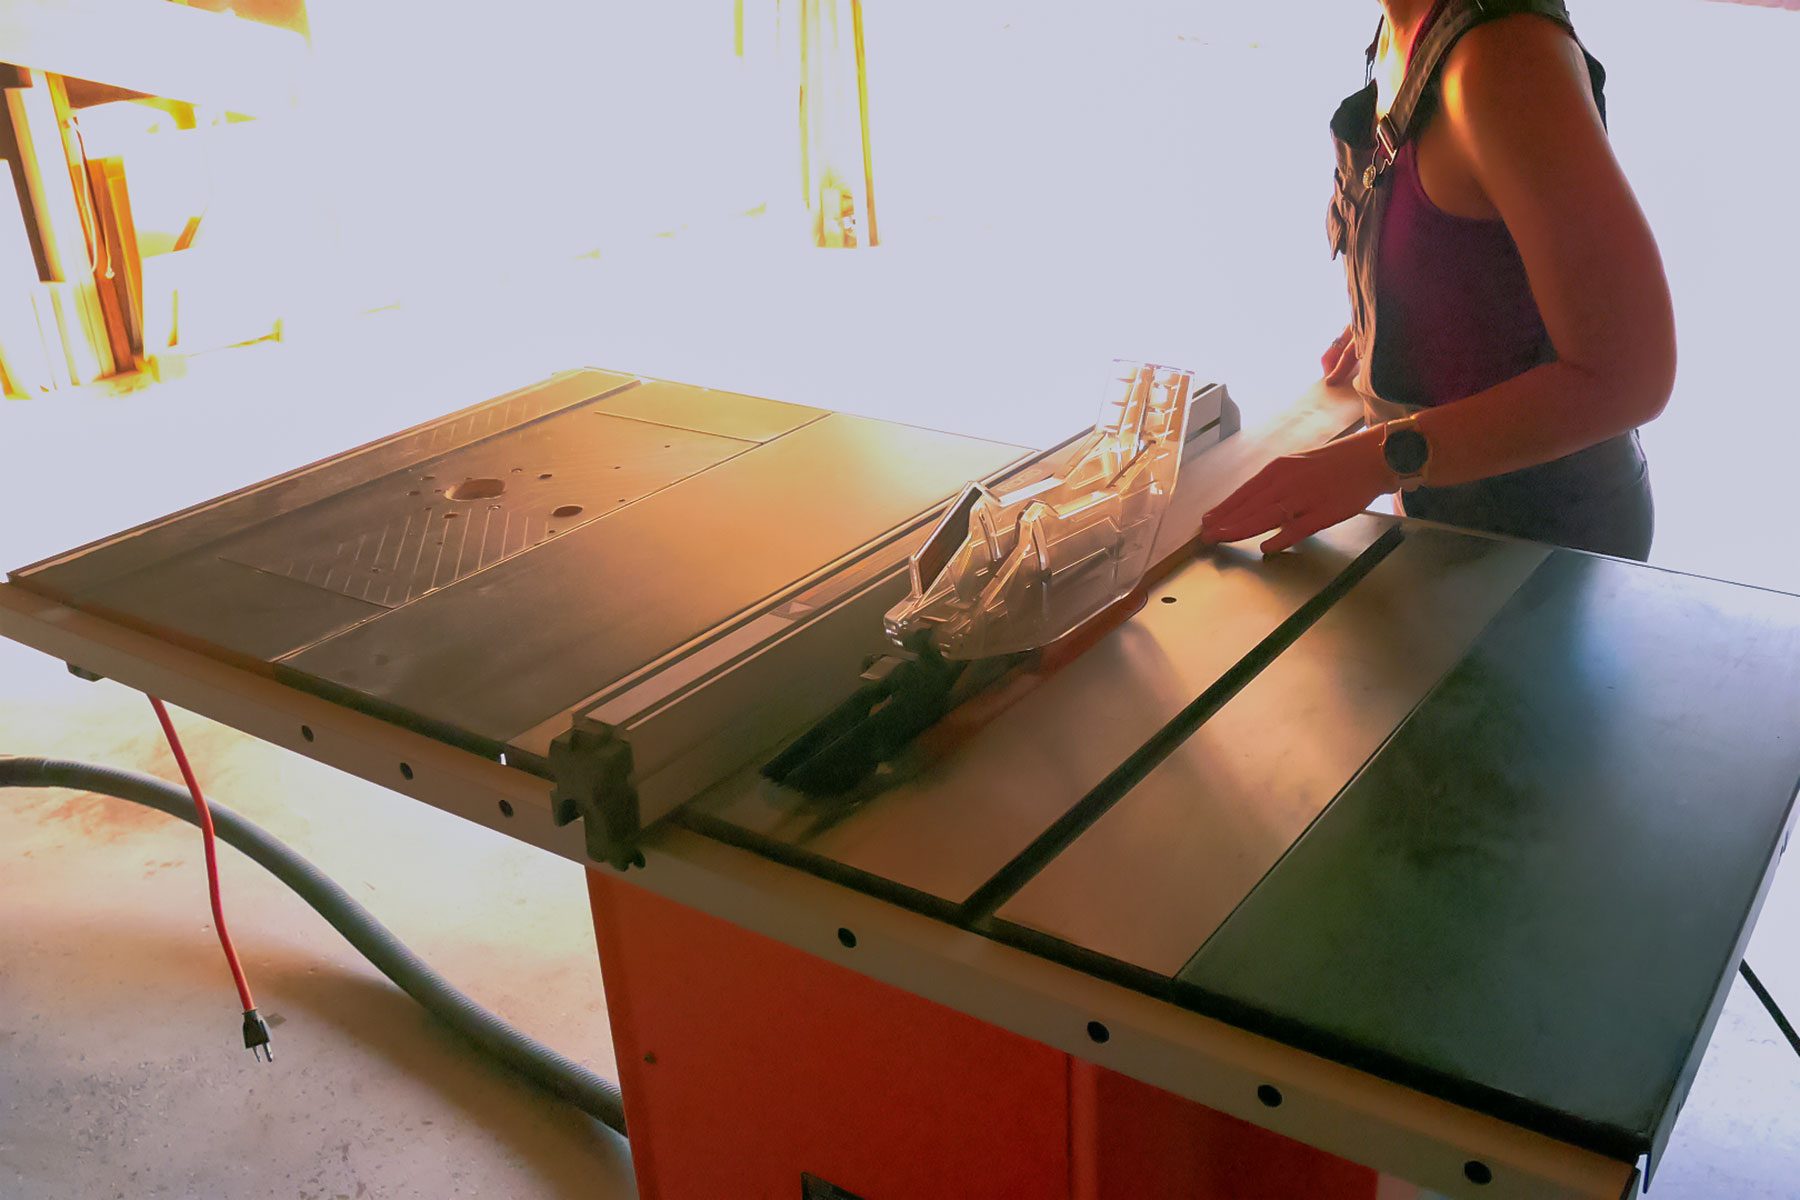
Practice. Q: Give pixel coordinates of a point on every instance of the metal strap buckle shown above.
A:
(1387, 147)
(1387, 137)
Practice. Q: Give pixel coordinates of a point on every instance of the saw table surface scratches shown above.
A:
(1471, 825)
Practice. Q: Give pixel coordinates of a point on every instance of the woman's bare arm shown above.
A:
(1522, 116)
(1519, 107)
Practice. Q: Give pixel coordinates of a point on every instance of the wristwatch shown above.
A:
(1406, 451)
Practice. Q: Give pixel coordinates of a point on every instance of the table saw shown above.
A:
(1410, 858)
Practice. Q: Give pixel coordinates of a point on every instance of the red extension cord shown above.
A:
(256, 1033)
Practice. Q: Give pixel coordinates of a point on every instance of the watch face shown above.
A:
(1405, 451)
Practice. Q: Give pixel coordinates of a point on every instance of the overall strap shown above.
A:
(1446, 25)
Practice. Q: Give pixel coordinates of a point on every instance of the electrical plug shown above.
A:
(256, 1036)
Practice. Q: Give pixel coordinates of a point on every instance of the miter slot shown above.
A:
(1163, 867)
(947, 826)
(1174, 735)
(698, 820)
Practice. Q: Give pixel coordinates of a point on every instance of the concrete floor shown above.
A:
(120, 1070)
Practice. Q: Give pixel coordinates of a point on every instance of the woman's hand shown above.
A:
(1339, 360)
(1297, 495)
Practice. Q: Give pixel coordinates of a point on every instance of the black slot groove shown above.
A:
(1051, 948)
(828, 869)
(1072, 824)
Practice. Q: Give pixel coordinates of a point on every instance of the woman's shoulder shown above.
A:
(1515, 50)
(1512, 68)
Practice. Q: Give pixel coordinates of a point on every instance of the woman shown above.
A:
(1511, 322)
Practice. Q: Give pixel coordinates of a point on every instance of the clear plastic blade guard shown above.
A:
(1010, 571)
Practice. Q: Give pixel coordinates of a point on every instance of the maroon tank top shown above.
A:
(1457, 313)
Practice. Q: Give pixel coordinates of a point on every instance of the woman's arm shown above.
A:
(1519, 107)
(1522, 116)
